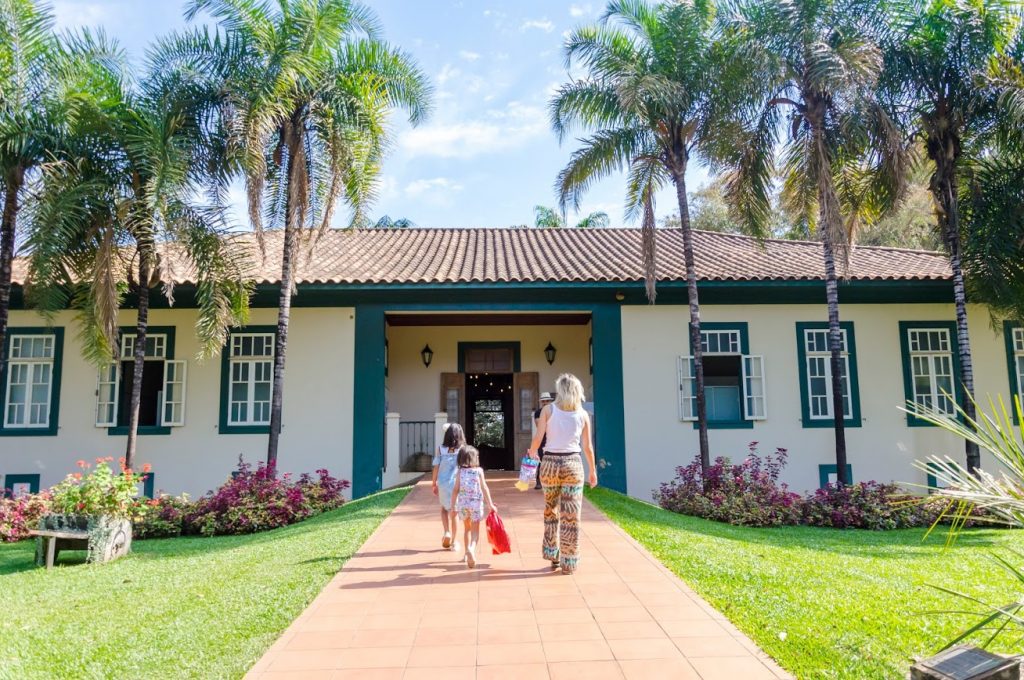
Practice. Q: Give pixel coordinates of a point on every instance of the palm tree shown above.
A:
(30, 113)
(118, 215)
(811, 71)
(549, 218)
(387, 222)
(308, 89)
(647, 101)
(935, 71)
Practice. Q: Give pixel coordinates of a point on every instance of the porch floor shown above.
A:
(404, 608)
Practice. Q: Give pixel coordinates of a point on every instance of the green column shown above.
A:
(368, 409)
(608, 400)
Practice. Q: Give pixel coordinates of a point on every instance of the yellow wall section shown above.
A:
(317, 429)
(883, 448)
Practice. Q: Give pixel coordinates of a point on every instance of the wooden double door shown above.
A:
(496, 411)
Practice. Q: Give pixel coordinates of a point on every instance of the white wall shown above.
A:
(414, 391)
(317, 426)
(882, 449)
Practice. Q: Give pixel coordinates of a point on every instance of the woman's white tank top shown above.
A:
(564, 430)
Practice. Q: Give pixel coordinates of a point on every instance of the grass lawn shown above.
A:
(825, 603)
(184, 607)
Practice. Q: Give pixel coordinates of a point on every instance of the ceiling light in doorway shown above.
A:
(427, 354)
(549, 353)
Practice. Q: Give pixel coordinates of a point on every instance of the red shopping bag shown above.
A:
(496, 535)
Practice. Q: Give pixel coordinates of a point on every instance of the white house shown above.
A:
(392, 327)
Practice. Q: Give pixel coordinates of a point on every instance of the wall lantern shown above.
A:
(549, 353)
(427, 354)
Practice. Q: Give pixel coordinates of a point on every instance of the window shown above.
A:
(162, 398)
(30, 381)
(930, 365)
(247, 379)
(734, 386)
(815, 364)
(1014, 336)
(19, 485)
(828, 474)
(252, 365)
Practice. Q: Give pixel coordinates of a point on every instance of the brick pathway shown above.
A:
(403, 608)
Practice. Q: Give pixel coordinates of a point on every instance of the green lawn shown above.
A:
(186, 607)
(824, 603)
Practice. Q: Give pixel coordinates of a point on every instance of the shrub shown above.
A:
(257, 500)
(161, 517)
(746, 494)
(98, 491)
(867, 505)
(20, 515)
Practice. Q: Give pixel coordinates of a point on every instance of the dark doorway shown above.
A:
(489, 401)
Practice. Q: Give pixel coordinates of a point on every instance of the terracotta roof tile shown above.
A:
(568, 255)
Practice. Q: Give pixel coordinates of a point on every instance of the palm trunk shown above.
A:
(293, 212)
(679, 177)
(8, 225)
(139, 363)
(944, 153)
(835, 346)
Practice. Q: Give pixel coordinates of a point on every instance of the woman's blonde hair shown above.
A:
(570, 396)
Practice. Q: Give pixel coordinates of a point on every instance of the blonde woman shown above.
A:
(567, 428)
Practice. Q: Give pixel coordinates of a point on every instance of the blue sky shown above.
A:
(487, 154)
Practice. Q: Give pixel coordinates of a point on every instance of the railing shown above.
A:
(414, 436)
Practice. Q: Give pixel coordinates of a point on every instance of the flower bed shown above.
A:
(20, 515)
(749, 494)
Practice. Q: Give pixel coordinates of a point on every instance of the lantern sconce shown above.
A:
(549, 353)
(427, 355)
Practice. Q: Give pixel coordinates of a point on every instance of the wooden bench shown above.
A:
(56, 541)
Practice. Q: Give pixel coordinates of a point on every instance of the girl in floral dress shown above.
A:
(446, 467)
(469, 498)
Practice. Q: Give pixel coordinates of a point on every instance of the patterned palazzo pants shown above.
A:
(562, 477)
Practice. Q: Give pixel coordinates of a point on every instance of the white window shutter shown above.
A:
(172, 412)
(754, 403)
(687, 396)
(108, 379)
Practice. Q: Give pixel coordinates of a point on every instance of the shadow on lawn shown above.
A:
(897, 544)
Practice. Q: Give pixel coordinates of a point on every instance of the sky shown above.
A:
(487, 155)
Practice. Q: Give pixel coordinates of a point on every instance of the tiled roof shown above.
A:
(564, 255)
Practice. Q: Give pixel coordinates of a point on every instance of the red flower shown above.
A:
(77, 475)
(101, 460)
(81, 464)
(147, 468)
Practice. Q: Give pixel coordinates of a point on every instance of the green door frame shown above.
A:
(369, 403)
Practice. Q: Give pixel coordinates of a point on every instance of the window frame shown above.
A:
(742, 328)
(225, 426)
(1012, 374)
(826, 469)
(57, 365)
(905, 355)
(10, 480)
(169, 336)
(855, 419)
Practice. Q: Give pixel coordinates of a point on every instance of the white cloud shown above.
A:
(447, 73)
(498, 130)
(69, 14)
(544, 24)
(580, 10)
(469, 56)
(433, 185)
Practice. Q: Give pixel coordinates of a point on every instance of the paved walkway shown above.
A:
(403, 608)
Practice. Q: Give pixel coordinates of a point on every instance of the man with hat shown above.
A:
(545, 399)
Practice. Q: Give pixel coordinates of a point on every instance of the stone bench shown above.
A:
(103, 538)
(57, 541)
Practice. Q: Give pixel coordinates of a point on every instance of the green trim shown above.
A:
(609, 399)
(1011, 367)
(169, 331)
(602, 292)
(58, 368)
(825, 469)
(517, 364)
(369, 404)
(223, 427)
(801, 356)
(148, 485)
(908, 380)
(10, 480)
(743, 328)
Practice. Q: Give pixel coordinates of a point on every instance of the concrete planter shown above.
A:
(104, 538)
